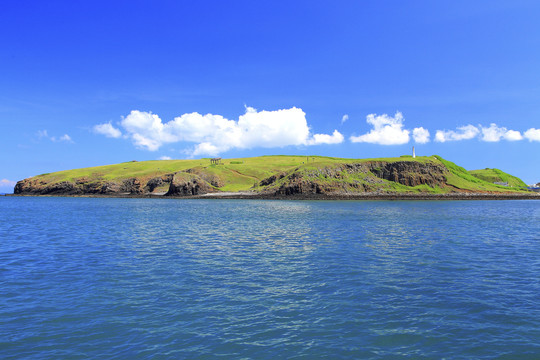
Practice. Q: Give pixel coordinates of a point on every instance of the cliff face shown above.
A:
(410, 173)
(185, 183)
(357, 177)
(33, 186)
(188, 184)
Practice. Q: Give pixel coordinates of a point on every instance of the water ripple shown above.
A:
(140, 278)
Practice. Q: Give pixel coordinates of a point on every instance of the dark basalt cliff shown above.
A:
(356, 177)
(34, 186)
(188, 184)
(410, 173)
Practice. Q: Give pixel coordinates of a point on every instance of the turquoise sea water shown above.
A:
(151, 279)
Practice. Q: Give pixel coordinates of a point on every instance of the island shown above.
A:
(282, 177)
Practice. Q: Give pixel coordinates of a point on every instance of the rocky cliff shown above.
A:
(184, 183)
(356, 177)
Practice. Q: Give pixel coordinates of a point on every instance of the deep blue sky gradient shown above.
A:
(67, 66)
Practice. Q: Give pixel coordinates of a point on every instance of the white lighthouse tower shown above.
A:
(413, 153)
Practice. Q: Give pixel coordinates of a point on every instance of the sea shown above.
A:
(106, 278)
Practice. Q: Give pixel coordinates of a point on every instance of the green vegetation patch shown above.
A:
(496, 175)
(462, 179)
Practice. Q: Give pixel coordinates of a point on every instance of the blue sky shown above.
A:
(94, 83)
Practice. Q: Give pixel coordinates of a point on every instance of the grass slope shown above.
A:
(243, 174)
(496, 175)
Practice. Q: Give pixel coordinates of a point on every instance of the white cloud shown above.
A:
(493, 133)
(108, 130)
(513, 135)
(344, 118)
(532, 134)
(335, 138)
(273, 128)
(165, 158)
(7, 183)
(420, 135)
(64, 137)
(205, 148)
(464, 133)
(44, 134)
(386, 130)
(214, 134)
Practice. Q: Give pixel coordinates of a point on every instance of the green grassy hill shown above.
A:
(496, 175)
(268, 174)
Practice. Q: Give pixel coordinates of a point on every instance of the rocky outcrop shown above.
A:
(186, 184)
(272, 179)
(158, 182)
(296, 183)
(410, 173)
(191, 182)
(34, 186)
(131, 186)
(209, 177)
(356, 177)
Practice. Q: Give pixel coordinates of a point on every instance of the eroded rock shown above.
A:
(186, 184)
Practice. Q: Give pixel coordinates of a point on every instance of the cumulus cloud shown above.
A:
(386, 130)
(214, 134)
(108, 130)
(493, 133)
(532, 134)
(421, 135)
(466, 132)
(344, 118)
(165, 158)
(513, 135)
(7, 183)
(335, 138)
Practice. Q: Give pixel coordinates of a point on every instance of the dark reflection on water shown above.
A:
(140, 278)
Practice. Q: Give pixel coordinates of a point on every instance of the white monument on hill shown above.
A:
(413, 154)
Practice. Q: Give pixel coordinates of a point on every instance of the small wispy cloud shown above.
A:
(492, 133)
(65, 138)
(466, 132)
(344, 118)
(165, 158)
(318, 139)
(108, 130)
(43, 134)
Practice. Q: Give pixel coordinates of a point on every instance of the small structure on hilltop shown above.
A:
(215, 161)
(413, 153)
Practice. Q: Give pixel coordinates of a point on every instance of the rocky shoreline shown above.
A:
(329, 197)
